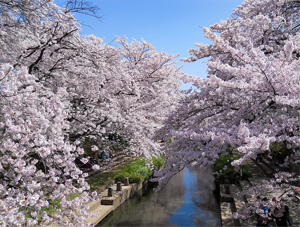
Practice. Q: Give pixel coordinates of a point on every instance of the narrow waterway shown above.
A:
(187, 200)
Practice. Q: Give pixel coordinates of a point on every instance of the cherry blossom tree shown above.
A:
(58, 87)
(37, 170)
(37, 165)
(145, 92)
(131, 87)
(251, 95)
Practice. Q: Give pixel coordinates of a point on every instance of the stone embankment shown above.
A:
(230, 202)
(106, 204)
(110, 196)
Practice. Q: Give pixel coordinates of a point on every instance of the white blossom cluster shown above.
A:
(34, 154)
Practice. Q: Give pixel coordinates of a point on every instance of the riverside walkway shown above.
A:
(231, 203)
(106, 204)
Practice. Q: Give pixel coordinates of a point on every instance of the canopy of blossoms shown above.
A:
(57, 88)
(251, 96)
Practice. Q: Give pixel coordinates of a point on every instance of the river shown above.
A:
(187, 200)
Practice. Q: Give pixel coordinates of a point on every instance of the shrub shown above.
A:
(158, 162)
(281, 148)
(226, 170)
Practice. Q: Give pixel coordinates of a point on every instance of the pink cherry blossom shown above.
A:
(250, 97)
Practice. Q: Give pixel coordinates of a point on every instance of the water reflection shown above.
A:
(199, 205)
(187, 200)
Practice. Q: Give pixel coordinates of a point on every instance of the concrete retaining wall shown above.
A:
(105, 204)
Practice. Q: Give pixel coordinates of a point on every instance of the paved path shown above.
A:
(106, 204)
(260, 171)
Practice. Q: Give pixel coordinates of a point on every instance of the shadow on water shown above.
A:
(187, 200)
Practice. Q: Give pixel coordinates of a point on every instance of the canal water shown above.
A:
(187, 200)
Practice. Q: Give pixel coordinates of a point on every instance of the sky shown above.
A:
(172, 26)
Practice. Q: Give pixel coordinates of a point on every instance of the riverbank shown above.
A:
(187, 200)
(106, 204)
(230, 202)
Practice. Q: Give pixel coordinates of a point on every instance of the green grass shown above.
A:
(137, 172)
(72, 196)
(103, 179)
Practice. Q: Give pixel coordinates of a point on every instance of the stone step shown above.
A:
(106, 166)
(268, 162)
(239, 202)
(268, 172)
(238, 199)
(230, 202)
(110, 203)
(225, 195)
(112, 164)
(94, 205)
(100, 212)
(255, 182)
(275, 167)
(120, 157)
(118, 154)
(245, 185)
(225, 210)
(252, 167)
